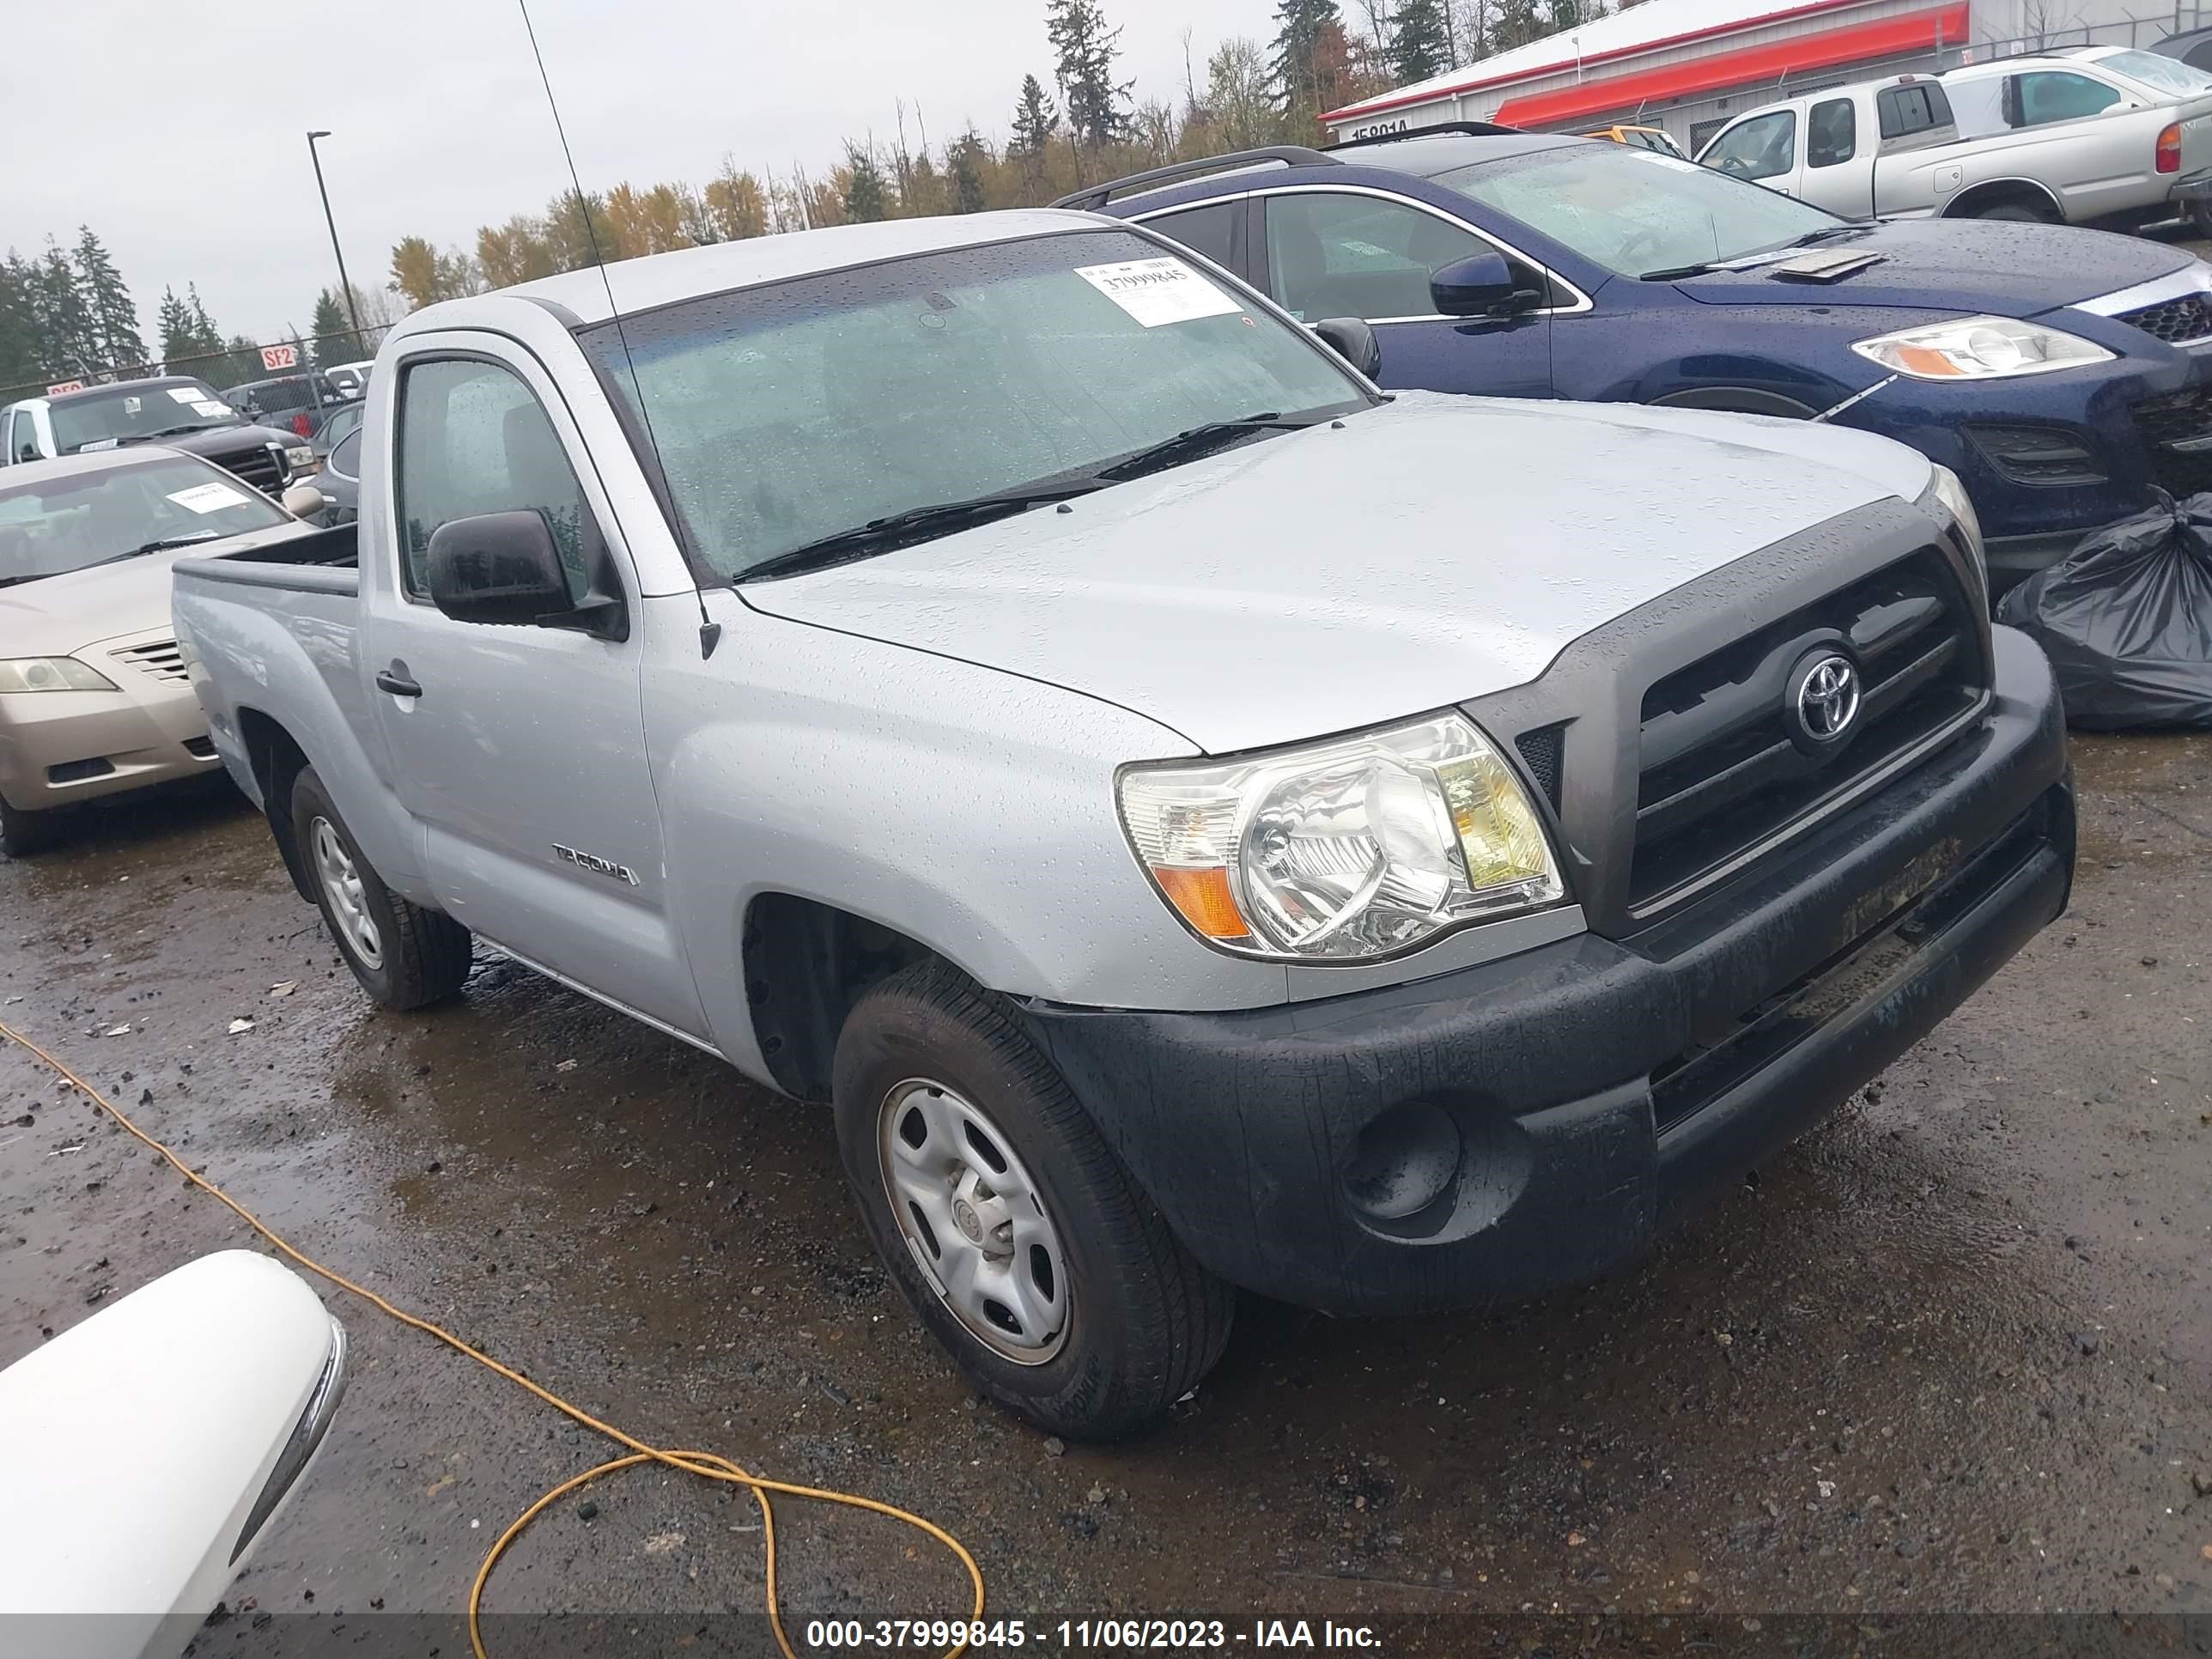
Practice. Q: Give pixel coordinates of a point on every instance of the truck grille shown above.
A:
(159, 658)
(257, 466)
(2188, 318)
(1722, 770)
(2176, 430)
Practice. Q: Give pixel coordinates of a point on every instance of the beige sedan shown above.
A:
(93, 697)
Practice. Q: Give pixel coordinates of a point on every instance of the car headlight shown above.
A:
(1947, 498)
(1342, 850)
(51, 674)
(1980, 349)
(301, 455)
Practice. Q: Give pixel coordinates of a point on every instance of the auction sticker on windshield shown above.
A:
(185, 394)
(1156, 291)
(207, 498)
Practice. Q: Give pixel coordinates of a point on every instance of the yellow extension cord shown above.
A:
(708, 1466)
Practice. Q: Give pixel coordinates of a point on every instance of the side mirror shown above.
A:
(1353, 341)
(502, 567)
(1481, 285)
(303, 501)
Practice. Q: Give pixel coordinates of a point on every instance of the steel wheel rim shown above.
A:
(974, 1220)
(341, 880)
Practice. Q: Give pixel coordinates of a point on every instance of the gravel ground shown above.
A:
(1951, 1354)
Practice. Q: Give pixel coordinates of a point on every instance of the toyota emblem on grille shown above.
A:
(1825, 699)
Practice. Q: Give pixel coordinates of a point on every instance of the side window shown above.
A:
(1331, 255)
(1904, 110)
(1761, 147)
(1205, 230)
(1831, 133)
(473, 439)
(2042, 96)
(346, 457)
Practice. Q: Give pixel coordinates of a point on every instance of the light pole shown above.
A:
(344, 287)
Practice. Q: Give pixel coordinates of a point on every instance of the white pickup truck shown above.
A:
(1197, 821)
(2093, 136)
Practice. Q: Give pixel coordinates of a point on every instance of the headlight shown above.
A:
(301, 455)
(1980, 349)
(51, 674)
(1342, 850)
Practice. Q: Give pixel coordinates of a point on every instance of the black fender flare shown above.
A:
(1736, 400)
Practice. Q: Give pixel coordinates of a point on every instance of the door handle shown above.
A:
(394, 679)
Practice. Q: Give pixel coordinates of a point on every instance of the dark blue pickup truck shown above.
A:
(2061, 373)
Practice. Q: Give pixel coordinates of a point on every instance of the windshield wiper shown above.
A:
(1672, 272)
(916, 524)
(1194, 442)
(160, 544)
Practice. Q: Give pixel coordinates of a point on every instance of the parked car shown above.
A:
(149, 1448)
(351, 380)
(337, 485)
(2061, 373)
(301, 402)
(179, 410)
(1197, 821)
(93, 697)
(2120, 136)
(1642, 137)
(2192, 46)
(2014, 139)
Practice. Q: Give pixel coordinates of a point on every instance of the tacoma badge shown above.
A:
(597, 865)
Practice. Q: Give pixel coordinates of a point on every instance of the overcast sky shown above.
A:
(174, 128)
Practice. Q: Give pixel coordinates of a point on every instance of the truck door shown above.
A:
(519, 752)
(1327, 251)
(1838, 171)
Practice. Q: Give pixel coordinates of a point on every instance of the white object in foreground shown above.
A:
(147, 1448)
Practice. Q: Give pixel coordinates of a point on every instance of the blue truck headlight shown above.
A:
(1980, 349)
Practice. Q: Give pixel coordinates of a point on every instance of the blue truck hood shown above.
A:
(1960, 266)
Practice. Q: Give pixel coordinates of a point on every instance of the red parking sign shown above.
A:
(65, 386)
(283, 357)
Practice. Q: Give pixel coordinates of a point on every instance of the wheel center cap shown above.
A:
(970, 1223)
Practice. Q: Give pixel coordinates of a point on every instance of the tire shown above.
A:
(2015, 213)
(404, 957)
(1138, 1322)
(22, 834)
(2200, 216)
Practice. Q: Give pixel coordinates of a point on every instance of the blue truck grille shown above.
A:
(2177, 320)
(1723, 770)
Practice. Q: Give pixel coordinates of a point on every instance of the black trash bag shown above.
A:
(2126, 618)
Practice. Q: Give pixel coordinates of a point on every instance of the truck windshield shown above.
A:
(2166, 74)
(132, 412)
(1634, 210)
(54, 524)
(806, 411)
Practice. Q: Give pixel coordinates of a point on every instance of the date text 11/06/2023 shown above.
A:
(1163, 1635)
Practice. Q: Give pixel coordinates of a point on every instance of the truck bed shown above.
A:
(327, 561)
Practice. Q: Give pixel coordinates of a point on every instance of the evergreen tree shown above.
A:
(963, 167)
(335, 340)
(1515, 23)
(179, 340)
(112, 318)
(1300, 33)
(1097, 108)
(1034, 120)
(71, 348)
(1421, 40)
(206, 337)
(21, 346)
(865, 197)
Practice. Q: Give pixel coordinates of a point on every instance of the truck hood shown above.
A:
(1427, 551)
(56, 615)
(1969, 266)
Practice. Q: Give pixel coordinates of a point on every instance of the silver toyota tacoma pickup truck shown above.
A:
(1197, 821)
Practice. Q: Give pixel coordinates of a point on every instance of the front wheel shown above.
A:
(1012, 1229)
(403, 955)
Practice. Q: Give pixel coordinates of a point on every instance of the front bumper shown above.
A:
(1561, 1104)
(57, 747)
